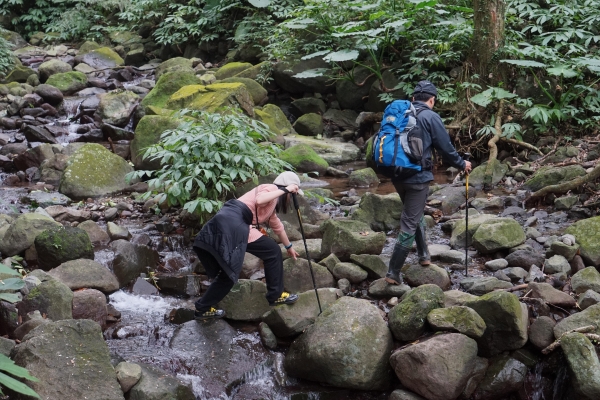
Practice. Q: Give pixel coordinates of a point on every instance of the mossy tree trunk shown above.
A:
(488, 37)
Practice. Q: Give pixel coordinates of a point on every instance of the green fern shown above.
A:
(7, 366)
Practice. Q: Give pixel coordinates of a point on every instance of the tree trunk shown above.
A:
(488, 37)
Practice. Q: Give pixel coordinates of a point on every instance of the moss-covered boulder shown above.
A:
(586, 279)
(57, 245)
(231, 69)
(304, 159)
(506, 321)
(88, 46)
(417, 275)
(100, 58)
(373, 264)
(381, 212)
(309, 125)
(587, 234)
(51, 67)
(50, 297)
(297, 276)
(19, 74)
(23, 231)
(547, 176)
(94, 171)
(116, 108)
(332, 151)
(167, 84)
(584, 366)
(272, 115)
(459, 229)
(344, 238)
(14, 39)
(158, 384)
(258, 93)
(246, 301)
(147, 133)
(458, 319)
(588, 317)
(307, 105)
(85, 273)
(68, 82)
(124, 38)
(498, 234)
(505, 375)
(255, 71)
(179, 64)
(218, 96)
(348, 346)
(408, 319)
(184, 96)
(476, 177)
(292, 320)
(365, 177)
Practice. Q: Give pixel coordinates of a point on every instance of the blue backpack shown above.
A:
(398, 146)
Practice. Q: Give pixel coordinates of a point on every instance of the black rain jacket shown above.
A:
(225, 237)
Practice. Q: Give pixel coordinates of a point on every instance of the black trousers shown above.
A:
(264, 248)
(414, 197)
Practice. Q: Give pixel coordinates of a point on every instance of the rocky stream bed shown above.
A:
(106, 309)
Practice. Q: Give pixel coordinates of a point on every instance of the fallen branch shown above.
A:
(516, 288)
(584, 329)
(566, 186)
(522, 144)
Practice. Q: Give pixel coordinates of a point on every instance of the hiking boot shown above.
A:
(285, 298)
(213, 313)
(421, 240)
(401, 250)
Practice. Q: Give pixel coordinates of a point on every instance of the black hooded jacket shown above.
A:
(436, 137)
(225, 237)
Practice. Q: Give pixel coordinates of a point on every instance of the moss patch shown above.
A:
(259, 93)
(231, 69)
(304, 159)
(222, 95)
(167, 85)
(184, 96)
(147, 133)
(272, 115)
(68, 82)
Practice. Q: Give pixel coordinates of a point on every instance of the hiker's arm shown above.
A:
(441, 142)
(271, 192)
(277, 227)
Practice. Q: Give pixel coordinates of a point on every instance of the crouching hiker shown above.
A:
(235, 230)
(414, 189)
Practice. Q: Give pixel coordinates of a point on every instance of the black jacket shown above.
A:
(225, 237)
(436, 137)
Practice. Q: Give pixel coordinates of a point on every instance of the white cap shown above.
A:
(288, 178)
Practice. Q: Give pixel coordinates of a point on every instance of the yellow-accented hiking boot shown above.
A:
(213, 313)
(285, 298)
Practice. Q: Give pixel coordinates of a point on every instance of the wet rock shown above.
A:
(557, 264)
(267, 337)
(128, 374)
(551, 295)
(587, 317)
(438, 368)
(344, 120)
(541, 333)
(71, 361)
(350, 271)
(506, 322)
(586, 279)
(564, 250)
(51, 297)
(28, 326)
(46, 199)
(365, 177)
(116, 232)
(39, 134)
(22, 232)
(348, 323)
(297, 277)
(584, 366)
(51, 67)
(492, 203)
(483, 285)
(84, 273)
(344, 238)
(307, 105)
(304, 159)
(417, 275)
(587, 234)
(97, 235)
(90, 304)
(60, 244)
(457, 318)
(68, 82)
(453, 257)
(547, 176)
(131, 260)
(498, 234)
(64, 214)
(144, 288)
(292, 320)
(180, 284)
(450, 198)
(116, 108)
(407, 320)
(382, 213)
(6, 346)
(246, 301)
(147, 133)
(399, 394)
(503, 376)
(100, 58)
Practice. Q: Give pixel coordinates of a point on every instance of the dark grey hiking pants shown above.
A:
(414, 197)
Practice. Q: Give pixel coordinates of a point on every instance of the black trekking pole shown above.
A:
(312, 274)
(466, 157)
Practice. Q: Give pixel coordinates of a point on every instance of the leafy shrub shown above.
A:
(204, 158)
(7, 366)
(6, 56)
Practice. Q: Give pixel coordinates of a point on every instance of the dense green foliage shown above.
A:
(6, 56)
(207, 156)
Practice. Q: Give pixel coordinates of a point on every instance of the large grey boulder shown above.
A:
(438, 368)
(557, 264)
(350, 271)
(22, 233)
(381, 212)
(50, 297)
(417, 275)
(457, 298)
(50, 94)
(584, 366)
(476, 177)
(71, 360)
(83, 273)
(373, 264)
(94, 171)
(246, 301)
(457, 318)
(60, 244)
(498, 234)
(131, 260)
(297, 277)
(506, 321)
(457, 240)
(116, 108)
(588, 317)
(51, 67)
(332, 151)
(348, 346)
(156, 384)
(541, 333)
(408, 319)
(587, 234)
(503, 376)
(90, 304)
(291, 320)
(344, 238)
(586, 279)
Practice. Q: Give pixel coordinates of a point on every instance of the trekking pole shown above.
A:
(312, 274)
(466, 157)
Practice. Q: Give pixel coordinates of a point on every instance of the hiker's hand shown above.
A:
(293, 253)
(293, 188)
(467, 166)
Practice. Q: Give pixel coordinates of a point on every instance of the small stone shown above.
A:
(111, 214)
(128, 374)
(393, 301)
(344, 285)
(589, 298)
(495, 265)
(267, 337)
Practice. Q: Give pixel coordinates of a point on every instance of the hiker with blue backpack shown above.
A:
(402, 150)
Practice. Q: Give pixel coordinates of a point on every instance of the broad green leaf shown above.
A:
(17, 386)
(486, 97)
(260, 3)
(563, 71)
(11, 284)
(10, 297)
(8, 271)
(342, 55)
(525, 63)
(318, 53)
(311, 73)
